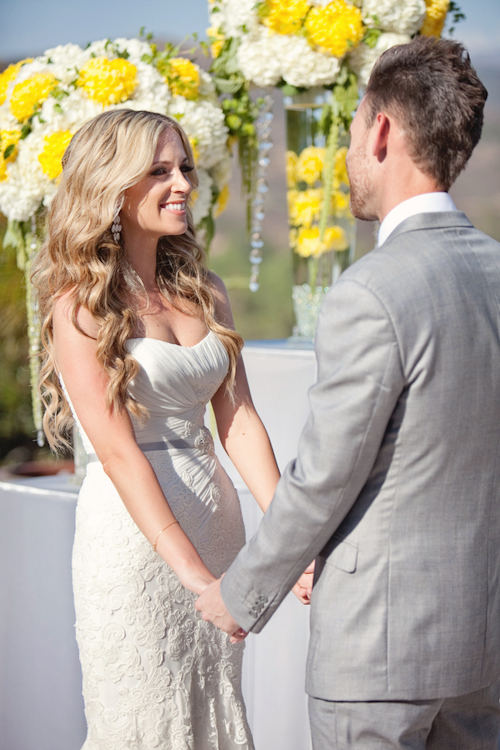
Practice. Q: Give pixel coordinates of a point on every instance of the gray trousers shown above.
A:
(467, 722)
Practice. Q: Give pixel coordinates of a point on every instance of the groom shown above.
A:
(396, 488)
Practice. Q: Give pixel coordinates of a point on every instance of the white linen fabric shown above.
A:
(155, 675)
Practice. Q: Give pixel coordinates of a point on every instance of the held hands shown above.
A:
(303, 587)
(212, 608)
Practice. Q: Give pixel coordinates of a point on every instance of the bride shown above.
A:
(138, 337)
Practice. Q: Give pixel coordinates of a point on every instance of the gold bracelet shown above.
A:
(161, 532)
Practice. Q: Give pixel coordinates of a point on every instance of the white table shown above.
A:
(40, 680)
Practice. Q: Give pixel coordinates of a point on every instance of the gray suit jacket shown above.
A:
(396, 488)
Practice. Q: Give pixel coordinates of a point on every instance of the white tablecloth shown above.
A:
(40, 680)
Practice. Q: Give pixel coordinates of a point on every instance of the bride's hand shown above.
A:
(303, 587)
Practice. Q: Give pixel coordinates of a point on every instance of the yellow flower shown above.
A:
(285, 18)
(335, 239)
(53, 152)
(108, 81)
(222, 200)
(435, 18)
(183, 77)
(291, 163)
(8, 75)
(309, 244)
(340, 204)
(340, 169)
(336, 27)
(31, 93)
(218, 41)
(8, 138)
(310, 164)
(304, 206)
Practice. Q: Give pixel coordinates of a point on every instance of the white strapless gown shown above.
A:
(155, 675)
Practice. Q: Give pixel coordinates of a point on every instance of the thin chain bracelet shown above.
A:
(161, 532)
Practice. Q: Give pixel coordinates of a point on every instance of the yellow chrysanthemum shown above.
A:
(183, 77)
(222, 200)
(340, 170)
(310, 164)
(53, 152)
(337, 27)
(8, 138)
(435, 18)
(8, 75)
(291, 163)
(31, 93)
(108, 81)
(218, 42)
(285, 18)
(304, 206)
(308, 241)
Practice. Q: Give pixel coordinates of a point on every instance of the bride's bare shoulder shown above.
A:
(66, 314)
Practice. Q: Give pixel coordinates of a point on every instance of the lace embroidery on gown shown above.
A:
(155, 675)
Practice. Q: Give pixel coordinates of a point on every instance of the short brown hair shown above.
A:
(430, 86)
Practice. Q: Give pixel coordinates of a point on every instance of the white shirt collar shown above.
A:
(419, 204)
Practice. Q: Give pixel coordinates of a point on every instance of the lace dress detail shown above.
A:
(155, 675)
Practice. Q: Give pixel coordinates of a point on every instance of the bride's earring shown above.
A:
(116, 227)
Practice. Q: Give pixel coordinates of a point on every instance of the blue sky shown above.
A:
(30, 27)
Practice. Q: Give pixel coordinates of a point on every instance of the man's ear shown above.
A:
(380, 136)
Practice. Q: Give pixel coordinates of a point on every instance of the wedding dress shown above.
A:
(155, 675)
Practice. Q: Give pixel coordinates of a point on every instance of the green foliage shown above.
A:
(16, 423)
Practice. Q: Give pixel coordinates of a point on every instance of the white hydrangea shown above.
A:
(204, 122)
(27, 184)
(398, 16)
(363, 58)
(265, 58)
(237, 17)
(203, 195)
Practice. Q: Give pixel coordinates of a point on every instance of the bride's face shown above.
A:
(157, 204)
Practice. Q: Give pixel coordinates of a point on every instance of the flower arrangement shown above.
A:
(44, 101)
(302, 43)
(327, 49)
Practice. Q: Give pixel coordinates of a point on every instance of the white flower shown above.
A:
(265, 58)
(203, 196)
(398, 16)
(221, 172)
(204, 122)
(363, 58)
(234, 16)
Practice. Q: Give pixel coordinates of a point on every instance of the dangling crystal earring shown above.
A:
(116, 227)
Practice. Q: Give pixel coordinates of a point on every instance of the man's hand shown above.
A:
(212, 608)
(303, 587)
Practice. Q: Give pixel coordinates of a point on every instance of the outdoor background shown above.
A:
(30, 28)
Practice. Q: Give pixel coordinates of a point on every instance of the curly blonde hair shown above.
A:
(108, 155)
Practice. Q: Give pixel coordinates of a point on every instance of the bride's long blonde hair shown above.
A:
(109, 154)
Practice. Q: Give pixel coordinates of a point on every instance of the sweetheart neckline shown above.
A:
(169, 343)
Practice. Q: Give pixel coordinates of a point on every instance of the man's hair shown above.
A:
(431, 88)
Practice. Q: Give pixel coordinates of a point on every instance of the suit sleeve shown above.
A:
(359, 382)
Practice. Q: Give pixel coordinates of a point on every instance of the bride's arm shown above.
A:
(112, 437)
(240, 429)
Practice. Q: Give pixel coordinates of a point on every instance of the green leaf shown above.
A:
(371, 37)
(26, 130)
(14, 238)
(228, 86)
(9, 150)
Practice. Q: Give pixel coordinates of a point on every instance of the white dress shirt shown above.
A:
(419, 204)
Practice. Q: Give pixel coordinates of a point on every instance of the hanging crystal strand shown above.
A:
(33, 244)
(263, 129)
